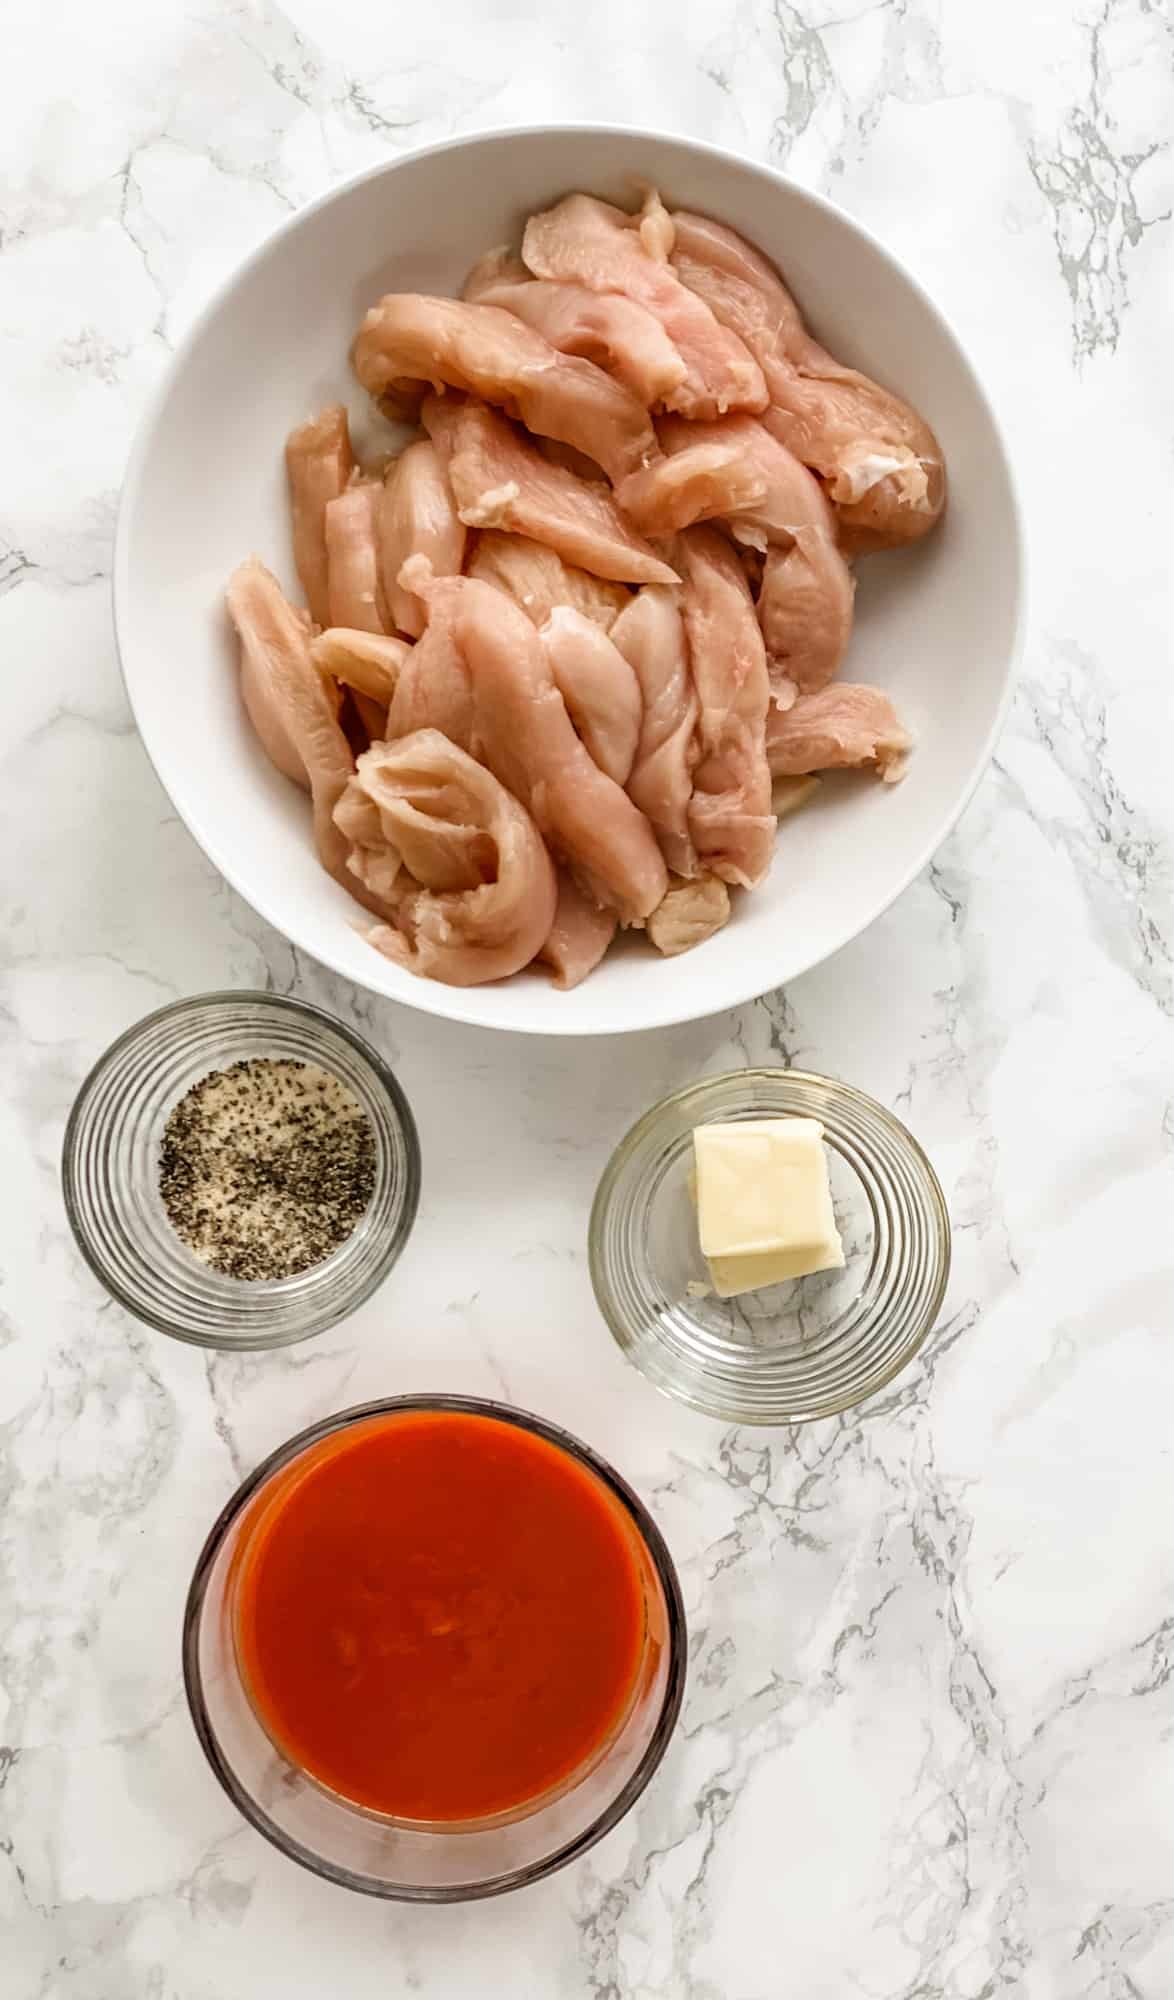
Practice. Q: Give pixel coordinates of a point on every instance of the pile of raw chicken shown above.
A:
(568, 657)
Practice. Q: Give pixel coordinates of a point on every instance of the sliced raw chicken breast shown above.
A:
(369, 662)
(493, 355)
(417, 516)
(879, 459)
(702, 480)
(650, 633)
(598, 686)
(790, 499)
(805, 611)
(788, 794)
(500, 481)
(442, 850)
(434, 690)
(287, 701)
(579, 936)
(471, 884)
(587, 242)
(319, 463)
(273, 636)
(496, 269)
(655, 225)
(523, 732)
(605, 327)
(806, 596)
(843, 726)
(355, 590)
(730, 817)
(689, 913)
(538, 579)
(375, 870)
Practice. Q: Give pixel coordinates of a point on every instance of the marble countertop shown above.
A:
(928, 1746)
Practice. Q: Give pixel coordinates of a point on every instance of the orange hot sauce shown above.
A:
(439, 1615)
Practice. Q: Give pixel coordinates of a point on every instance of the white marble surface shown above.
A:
(928, 1750)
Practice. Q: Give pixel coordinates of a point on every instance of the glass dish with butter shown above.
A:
(769, 1246)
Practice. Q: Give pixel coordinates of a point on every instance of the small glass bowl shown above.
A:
(405, 1860)
(110, 1163)
(796, 1351)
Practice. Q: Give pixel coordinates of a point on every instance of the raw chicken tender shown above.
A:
(588, 242)
(471, 883)
(492, 354)
(354, 587)
(434, 690)
(805, 611)
(879, 459)
(841, 726)
(700, 481)
(369, 662)
(791, 502)
(655, 225)
(500, 481)
(650, 634)
(806, 597)
(788, 794)
(406, 831)
(604, 327)
(319, 463)
(690, 913)
(375, 870)
(579, 936)
(523, 732)
(538, 579)
(287, 701)
(730, 817)
(417, 516)
(598, 686)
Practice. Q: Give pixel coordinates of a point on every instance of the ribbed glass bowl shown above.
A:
(110, 1172)
(796, 1351)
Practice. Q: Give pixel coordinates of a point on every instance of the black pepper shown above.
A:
(265, 1168)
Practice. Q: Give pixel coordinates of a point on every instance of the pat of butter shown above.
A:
(764, 1204)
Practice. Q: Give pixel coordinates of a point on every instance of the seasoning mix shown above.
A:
(266, 1167)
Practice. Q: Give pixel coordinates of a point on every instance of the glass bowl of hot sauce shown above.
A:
(434, 1648)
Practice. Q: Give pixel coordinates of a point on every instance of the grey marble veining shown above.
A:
(927, 1747)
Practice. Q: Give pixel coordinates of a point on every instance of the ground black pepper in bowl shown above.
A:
(266, 1168)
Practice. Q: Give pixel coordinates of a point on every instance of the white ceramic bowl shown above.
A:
(937, 625)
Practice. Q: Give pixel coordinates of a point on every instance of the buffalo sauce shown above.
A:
(439, 1615)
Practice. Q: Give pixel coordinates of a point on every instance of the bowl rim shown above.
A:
(677, 1646)
(460, 1004)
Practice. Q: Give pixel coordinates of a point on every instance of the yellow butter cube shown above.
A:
(764, 1204)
